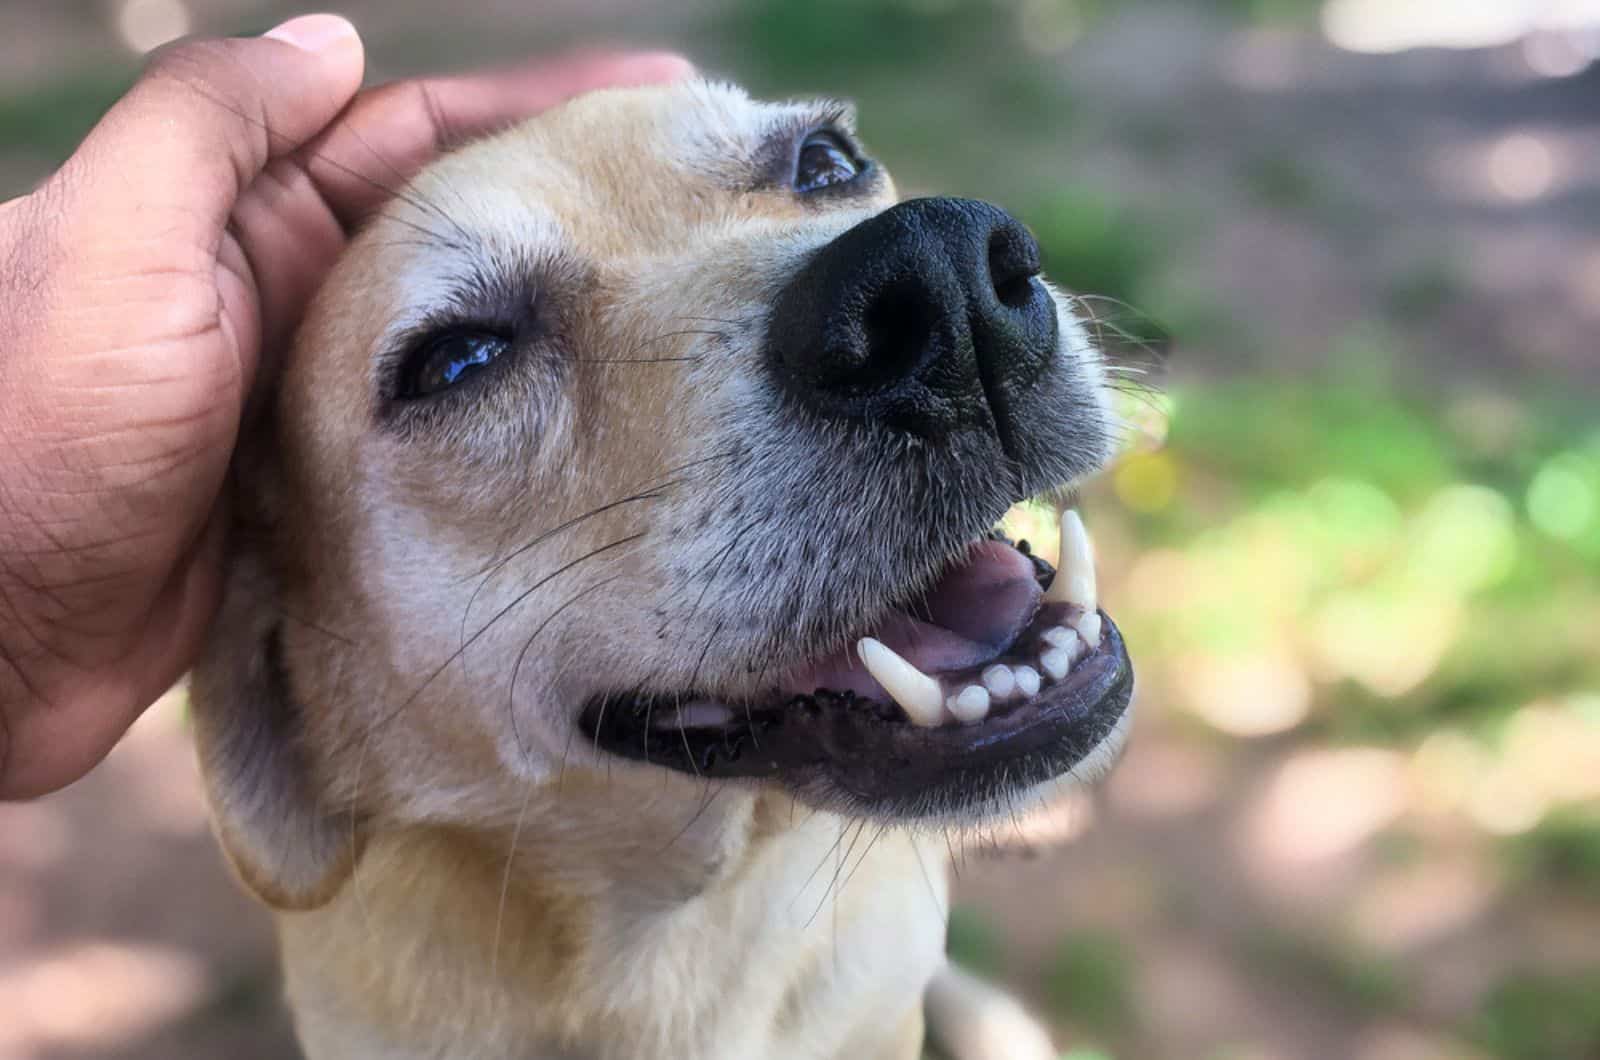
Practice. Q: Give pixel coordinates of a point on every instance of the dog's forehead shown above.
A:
(620, 172)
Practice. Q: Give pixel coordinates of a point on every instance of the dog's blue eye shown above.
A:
(824, 160)
(445, 360)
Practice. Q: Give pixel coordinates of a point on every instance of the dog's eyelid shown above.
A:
(840, 116)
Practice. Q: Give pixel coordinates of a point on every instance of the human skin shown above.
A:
(147, 290)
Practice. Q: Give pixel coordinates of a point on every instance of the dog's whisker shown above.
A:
(522, 654)
(505, 877)
(517, 600)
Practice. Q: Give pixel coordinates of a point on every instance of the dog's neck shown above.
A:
(737, 922)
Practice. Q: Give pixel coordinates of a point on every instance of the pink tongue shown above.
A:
(970, 616)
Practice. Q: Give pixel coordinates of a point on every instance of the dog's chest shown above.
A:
(818, 949)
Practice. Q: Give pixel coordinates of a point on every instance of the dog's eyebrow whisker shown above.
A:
(630, 358)
(398, 191)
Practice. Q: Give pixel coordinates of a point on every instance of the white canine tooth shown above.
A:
(970, 705)
(1056, 663)
(918, 694)
(1074, 582)
(1089, 629)
(1027, 679)
(1000, 682)
(1061, 637)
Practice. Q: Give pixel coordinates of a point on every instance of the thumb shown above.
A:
(169, 160)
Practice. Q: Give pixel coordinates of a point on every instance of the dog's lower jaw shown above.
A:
(814, 941)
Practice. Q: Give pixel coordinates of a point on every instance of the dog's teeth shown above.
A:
(1061, 637)
(1027, 679)
(970, 704)
(1056, 663)
(918, 694)
(1089, 629)
(1000, 681)
(1075, 582)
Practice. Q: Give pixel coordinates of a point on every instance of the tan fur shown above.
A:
(457, 874)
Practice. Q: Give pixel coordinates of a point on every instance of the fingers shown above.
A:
(392, 131)
(171, 157)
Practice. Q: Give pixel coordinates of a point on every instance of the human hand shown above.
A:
(144, 290)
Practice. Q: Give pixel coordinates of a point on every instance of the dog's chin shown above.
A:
(1001, 678)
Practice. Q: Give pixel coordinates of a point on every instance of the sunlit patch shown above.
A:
(1547, 755)
(1322, 804)
(94, 994)
(1414, 905)
(1248, 694)
(1503, 803)
(1551, 54)
(1463, 541)
(1389, 640)
(1385, 26)
(148, 24)
(1444, 769)
(1521, 167)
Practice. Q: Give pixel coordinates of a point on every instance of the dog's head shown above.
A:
(654, 439)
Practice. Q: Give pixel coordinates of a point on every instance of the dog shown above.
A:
(615, 626)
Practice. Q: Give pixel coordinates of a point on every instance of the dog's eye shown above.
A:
(442, 361)
(824, 160)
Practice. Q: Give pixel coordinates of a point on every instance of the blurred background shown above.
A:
(1355, 543)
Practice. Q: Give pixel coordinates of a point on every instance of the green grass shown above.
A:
(50, 119)
(973, 942)
(1542, 1017)
(1364, 983)
(1089, 983)
(1562, 849)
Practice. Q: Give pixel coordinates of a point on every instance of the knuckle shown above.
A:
(189, 61)
(28, 254)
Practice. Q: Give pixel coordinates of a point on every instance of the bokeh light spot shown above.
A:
(1562, 501)
(1521, 167)
(1464, 540)
(148, 24)
(1147, 482)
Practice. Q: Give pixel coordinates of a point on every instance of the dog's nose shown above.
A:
(924, 318)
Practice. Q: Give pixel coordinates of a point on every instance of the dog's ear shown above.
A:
(287, 846)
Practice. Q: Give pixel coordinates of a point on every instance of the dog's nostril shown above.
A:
(898, 326)
(1013, 263)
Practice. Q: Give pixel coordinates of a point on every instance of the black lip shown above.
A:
(842, 752)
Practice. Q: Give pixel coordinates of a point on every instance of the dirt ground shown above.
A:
(1228, 869)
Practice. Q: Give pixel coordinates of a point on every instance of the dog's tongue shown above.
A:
(971, 615)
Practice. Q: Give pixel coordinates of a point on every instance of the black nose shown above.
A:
(924, 318)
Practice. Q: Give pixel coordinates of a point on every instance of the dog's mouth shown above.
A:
(1003, 675)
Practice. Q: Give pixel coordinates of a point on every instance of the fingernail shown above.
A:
(314, 33)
